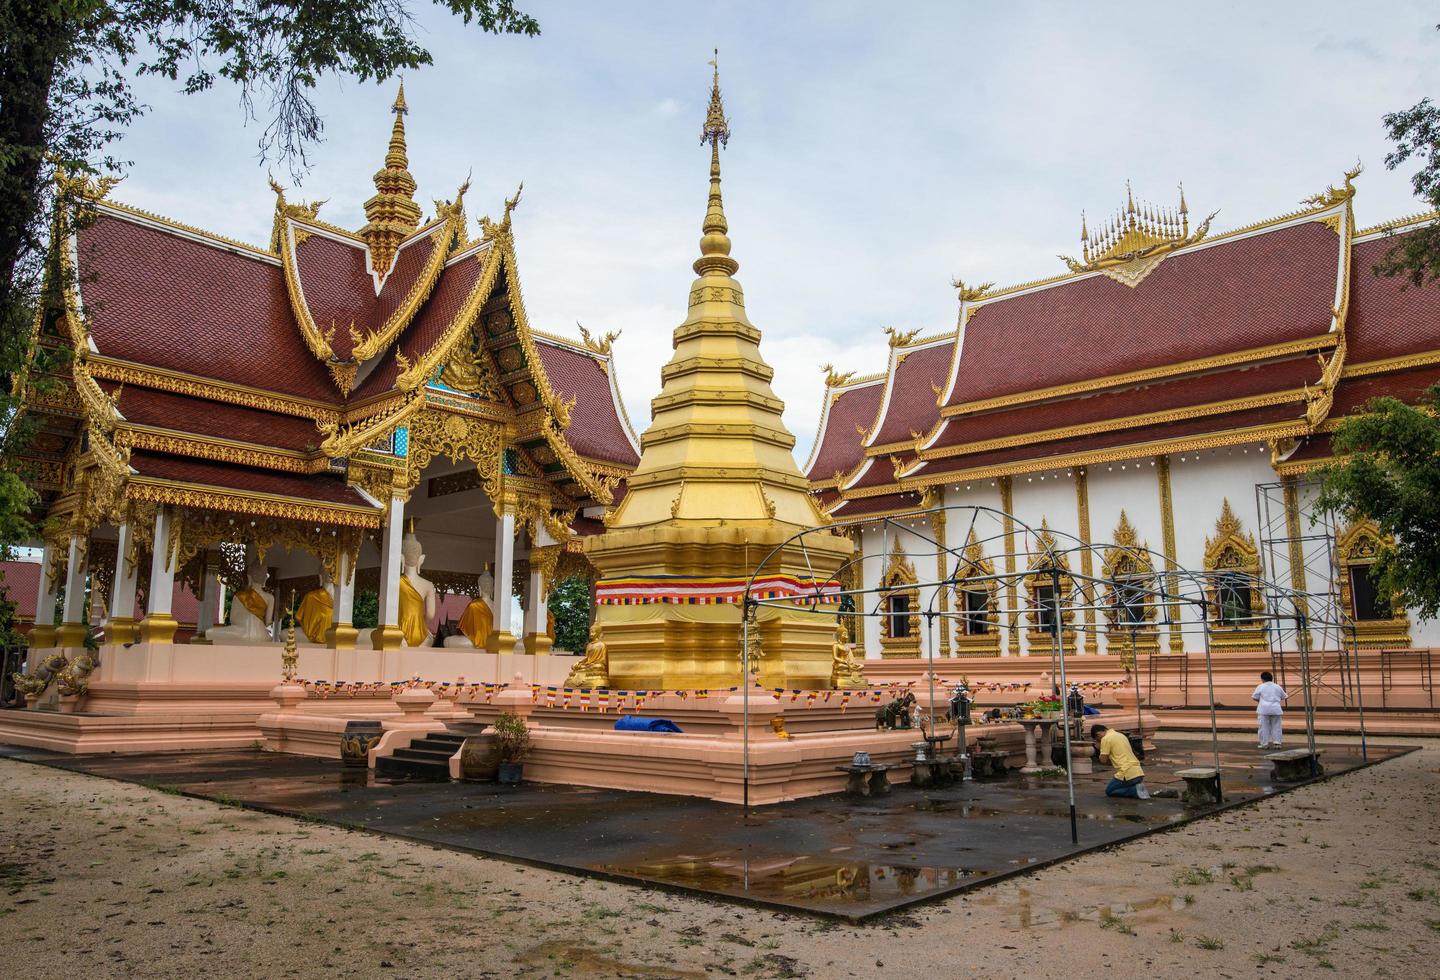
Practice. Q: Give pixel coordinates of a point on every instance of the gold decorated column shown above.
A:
(1087, 563)
(937, 525)
(1167, 532)
(1007, 504)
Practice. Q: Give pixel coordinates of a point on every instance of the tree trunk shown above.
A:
(37, 36)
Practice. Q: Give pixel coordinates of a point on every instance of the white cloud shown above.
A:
(874, 157)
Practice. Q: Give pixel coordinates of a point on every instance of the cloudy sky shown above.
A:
(879, 150)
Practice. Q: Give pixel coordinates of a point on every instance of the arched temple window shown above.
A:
(899, 606)
(1232, 562)
(1045, 602)
(1379, 621)
(978, 627)
(1130, 601)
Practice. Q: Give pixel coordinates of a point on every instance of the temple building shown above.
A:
(1169, 391)
(272, 418)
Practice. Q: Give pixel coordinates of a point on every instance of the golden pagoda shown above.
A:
(392, 212)
(716, 489)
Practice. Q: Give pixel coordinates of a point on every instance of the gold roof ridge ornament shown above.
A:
(392, 213)
(1129, 244)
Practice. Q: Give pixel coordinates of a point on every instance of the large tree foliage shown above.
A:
(569, 603)
(67, 69)
(1387, 469)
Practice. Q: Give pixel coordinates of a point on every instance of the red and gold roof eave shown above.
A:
(445, 230)
(836, 387)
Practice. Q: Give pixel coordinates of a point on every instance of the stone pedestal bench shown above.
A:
(1202, 786)
(867, 780)
(1293, 765)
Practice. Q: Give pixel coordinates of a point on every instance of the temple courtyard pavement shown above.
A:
(126, 876)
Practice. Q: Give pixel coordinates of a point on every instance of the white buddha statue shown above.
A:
(419, 599)
(478, 619)
(252, 610)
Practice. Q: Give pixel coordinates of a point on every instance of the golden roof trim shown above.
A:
(257, 504)
(1387, 365)
(1397, 224)
(180, 443)
(196, 386)
(419, 293)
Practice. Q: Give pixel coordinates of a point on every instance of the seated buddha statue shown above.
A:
(252, 609)
(846, 672)
(477, 620)
(317, 610)
(419, 598)
(593, 670)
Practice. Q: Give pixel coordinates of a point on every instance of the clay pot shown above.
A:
(67, 703)
(357, 741)
(480, 758)
(511, 773)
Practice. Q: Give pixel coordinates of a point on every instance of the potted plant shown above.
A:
(513, 736)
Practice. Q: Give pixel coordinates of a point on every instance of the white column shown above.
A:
(122, 602)
(342, 617)
(72, 618)
(159, 625)
(42, 631)
(387, 633)
(504, 637)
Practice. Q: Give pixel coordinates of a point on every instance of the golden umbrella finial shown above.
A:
(715, 243)
(717, 127)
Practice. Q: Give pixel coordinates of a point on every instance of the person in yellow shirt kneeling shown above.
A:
(1114, 747)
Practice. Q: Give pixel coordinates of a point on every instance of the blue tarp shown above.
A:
(634, 723)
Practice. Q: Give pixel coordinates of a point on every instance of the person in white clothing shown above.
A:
(1269, 699)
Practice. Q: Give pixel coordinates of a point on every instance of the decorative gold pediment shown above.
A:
(1133, 241)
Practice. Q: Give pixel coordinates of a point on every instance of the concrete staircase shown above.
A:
(425, 758)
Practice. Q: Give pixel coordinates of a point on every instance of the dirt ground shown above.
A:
(105, 879)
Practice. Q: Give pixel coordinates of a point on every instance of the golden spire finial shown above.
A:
(715, 243)
(392, 213)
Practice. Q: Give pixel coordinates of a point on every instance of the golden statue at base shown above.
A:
(316, 611)
(594, 669)
(846, 673)
(777, 725)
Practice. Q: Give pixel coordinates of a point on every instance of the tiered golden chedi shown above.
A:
(715, 491)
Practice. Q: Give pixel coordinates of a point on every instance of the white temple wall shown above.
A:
(1133, 487)
(1042, 497)
(872, 568)
(1200, 483)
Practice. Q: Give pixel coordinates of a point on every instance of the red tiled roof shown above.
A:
(595, 429)
(167, 300)
(912, 405)
(877, 505)
(1235, 295)
(1353, 393)
(839, 441)
(586, 526)
(145, 406)
(1156, 397)
(880, 472)
(457, 280)
(1388, 317)
(1313, 447)
(1267, 415)
(339, 289)
(322, 488)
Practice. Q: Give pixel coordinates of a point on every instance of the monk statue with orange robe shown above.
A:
(252, 610)
(477, 620)
(317, 610)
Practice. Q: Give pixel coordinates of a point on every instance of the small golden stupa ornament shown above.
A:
(290, 659)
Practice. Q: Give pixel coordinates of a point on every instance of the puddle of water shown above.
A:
(802, 880)
(579, 960)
